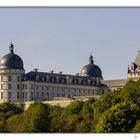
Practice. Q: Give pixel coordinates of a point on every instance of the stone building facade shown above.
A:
(18, 86)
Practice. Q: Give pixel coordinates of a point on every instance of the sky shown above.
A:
(62, 39)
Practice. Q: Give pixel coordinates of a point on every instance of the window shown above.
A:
(25, 86)
(32, 95)
(32, 86)
(37, 87)
(37, 95)
(47, 94)
(42, 95)
(1, 78)
(9, 95)
(1, 95)
(18, 86)
(9, 78)
(18, 78)
(23, 95)
(18, 96)
(26, 95)
(9, 86)
(42, 87)
(1, 86)
(37, 77)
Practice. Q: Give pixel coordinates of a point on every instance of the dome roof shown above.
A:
(91, 70)
(137, 59)
(11, 60)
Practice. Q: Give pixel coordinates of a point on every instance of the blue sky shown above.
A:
(61, 39)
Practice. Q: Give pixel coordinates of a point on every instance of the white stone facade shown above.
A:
(18, 86)
(11, 85)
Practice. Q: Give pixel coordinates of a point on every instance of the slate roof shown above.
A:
(115, 83)
(58, 78)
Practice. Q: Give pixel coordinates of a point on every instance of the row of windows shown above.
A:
(66, 80)
(37, 95)
(10, 78)
(9, 86)
(9, 95)
(60, 89)
(2, 95)
(24, 86)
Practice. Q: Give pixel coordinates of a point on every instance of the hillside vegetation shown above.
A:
(113, 112)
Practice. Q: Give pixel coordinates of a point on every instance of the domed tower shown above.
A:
(11, 72)
(92, 70)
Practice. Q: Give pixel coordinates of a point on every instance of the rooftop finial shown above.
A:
(91, 59)
(11, 48)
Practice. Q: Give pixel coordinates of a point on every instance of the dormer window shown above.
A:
(43, 79)
(47, 77)
(37, 77)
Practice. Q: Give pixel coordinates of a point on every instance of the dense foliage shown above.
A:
(119, 118)
(113, 112)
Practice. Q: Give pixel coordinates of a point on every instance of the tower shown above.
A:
(11, 72)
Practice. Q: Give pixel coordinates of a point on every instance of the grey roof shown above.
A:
(91, 70)
(11, 61)
(115, 83)
(59, 78)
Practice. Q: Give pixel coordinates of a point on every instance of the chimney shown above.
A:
(60, 72)
(35, 70)
(51, 71)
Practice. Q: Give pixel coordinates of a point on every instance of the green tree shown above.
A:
(14, 122)
(3, 128)
(58, 123)
(74, 107)
(131, 92)
(136, 129)
(105, 102)
(87, 106)
(35, 118)
(120, 118)
(85, 124)
(7, 110)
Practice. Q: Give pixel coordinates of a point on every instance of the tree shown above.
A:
(85, 124)
(7, 110)
(119, 118)
(131, 92)
(3, 127)
(74, 107)
(87, 106)
(136, 129)
(58, 123)
(14, 122)
(35, 119)
(105, 102)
